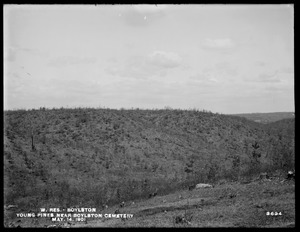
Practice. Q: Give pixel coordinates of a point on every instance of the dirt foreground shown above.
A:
(260, 203)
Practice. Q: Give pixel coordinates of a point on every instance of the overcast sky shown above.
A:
(222, 58)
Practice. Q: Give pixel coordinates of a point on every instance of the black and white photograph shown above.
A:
(148, 116)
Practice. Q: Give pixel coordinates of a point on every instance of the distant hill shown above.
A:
(62, 157)
(267, 117)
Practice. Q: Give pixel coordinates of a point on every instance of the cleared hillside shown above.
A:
(92, 157)
(267, 117)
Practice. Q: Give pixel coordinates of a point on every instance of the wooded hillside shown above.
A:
(87, 156)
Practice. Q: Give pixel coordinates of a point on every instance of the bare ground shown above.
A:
(226, 205)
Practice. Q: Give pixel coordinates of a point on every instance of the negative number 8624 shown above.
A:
(273, 213)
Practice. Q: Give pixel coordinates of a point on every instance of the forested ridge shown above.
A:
(268, 117)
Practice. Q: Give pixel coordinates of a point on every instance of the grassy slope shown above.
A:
(91, 157)
(227, 205)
